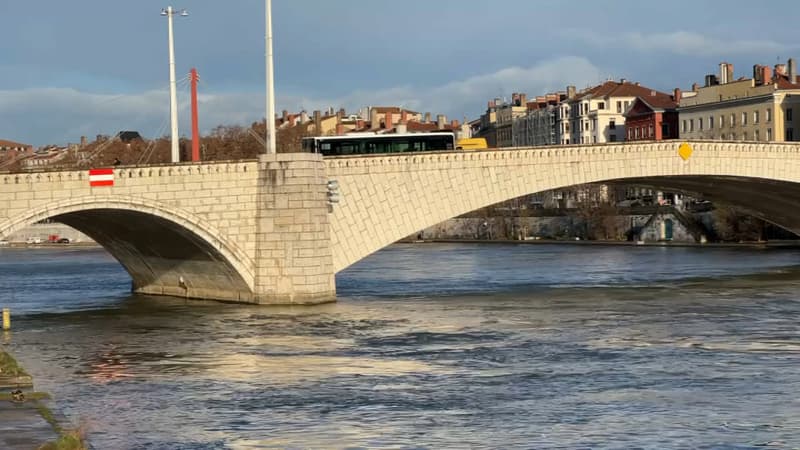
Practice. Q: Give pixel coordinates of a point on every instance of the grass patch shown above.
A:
(69, 440)
(9, 366)
(5, 396)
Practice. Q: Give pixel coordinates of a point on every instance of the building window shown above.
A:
(630, 134)
(755, 116)
(637, 132)
(612, 138)
(744, 136)
(733, 121)
(789, 133)
(651, 130)
(769, 132)
(601, 105)
(683, 126)
(788, 114)
(721, 121)
(700, 124)
(744, 118)
(594, 139)
(619, 107)
(691, 125)
(710, 122)
(769, 115)
(756, 136)
(612, 124)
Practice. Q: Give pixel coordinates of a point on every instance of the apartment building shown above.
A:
(538, 125)
(764, 108)
(597, 115)
(653, 118)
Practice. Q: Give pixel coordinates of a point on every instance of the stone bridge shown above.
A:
(262, 232)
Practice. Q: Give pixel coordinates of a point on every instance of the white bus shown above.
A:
(358, 144)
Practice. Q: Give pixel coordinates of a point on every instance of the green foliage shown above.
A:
(9, 366)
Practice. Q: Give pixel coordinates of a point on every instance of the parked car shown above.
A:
(33, 240)
(63, 241)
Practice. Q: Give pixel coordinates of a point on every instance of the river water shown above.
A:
(430, 346)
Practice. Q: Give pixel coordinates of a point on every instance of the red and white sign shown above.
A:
(101, 177)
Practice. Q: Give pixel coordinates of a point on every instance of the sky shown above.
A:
(88, 67)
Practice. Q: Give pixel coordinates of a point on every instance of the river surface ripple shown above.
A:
(430, 346)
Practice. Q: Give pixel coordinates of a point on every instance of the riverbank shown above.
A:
(748, 244)
(26, 417)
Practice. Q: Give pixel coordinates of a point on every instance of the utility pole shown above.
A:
(270, 119)
(195, 126)
(173, 95)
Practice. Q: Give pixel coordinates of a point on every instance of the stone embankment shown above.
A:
(26, 418)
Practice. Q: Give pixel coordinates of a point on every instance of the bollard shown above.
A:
(6, 319)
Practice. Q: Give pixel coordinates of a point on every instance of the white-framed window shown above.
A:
(733, 121)
(700, 124)
(769, 133)
(744, 119)
(755, 116)
(710, 122)
(769, 115)
(691, 125)
(683, 126)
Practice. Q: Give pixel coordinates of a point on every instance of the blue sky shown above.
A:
(96, 66)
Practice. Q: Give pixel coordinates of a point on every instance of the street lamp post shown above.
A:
(270, 119)
(173, 95)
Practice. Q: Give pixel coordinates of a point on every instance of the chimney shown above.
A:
(757, 75)
(570, 92)
(694, 87)
(427, 118)
(83, 141)
(490, 104)
(523, 99)
(389, 119)
(792, 69)
(652, 93)
(711, 80)
(622, 81)
(780, 69)
(676, 95)
(342, 112)
(723, 73)
(766, 74)
(730, 73)
(339, 129)
(303, 116)
(374, 123)
(317, 122)
(440, 121)
(454, 123)
(515, 99)
(404, 116)
(360, 124)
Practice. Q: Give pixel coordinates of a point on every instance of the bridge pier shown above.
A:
(293, 257)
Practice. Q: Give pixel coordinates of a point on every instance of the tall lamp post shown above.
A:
(173, 95)
(270, 119)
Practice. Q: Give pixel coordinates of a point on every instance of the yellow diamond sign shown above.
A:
(685, 151)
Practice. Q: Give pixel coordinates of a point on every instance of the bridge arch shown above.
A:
(383, 200)
(166, 250)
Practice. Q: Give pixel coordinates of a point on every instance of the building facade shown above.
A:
(538, 125)
(652, 118)
(762, 108)
(597, 115)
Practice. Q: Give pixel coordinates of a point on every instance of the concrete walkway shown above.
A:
(22, 427)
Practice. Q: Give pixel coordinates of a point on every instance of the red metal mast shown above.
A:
(195, 127)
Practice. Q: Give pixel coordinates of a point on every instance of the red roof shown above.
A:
(5, 143)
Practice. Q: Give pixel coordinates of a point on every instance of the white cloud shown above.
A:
(687, 43)
(60, 115)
